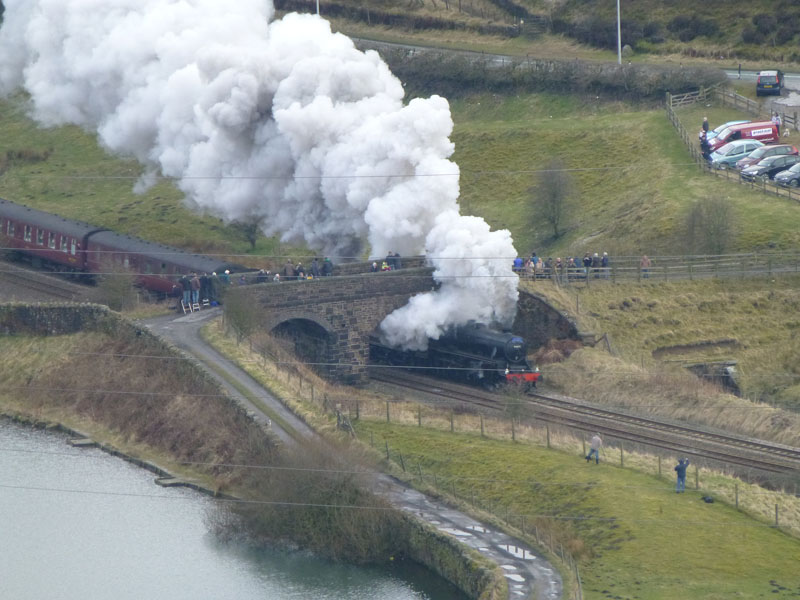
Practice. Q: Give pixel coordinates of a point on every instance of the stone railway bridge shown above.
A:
(329, 319)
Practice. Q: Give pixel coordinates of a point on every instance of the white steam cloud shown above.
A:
(280, 122)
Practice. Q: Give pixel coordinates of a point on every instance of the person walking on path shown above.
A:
(705, 124)
(596, 444)
(680, 469)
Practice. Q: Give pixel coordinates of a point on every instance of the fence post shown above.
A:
(736, 494)
(659, 466)
(358, 410)
(452, 428)
(388, 419)
(402, 462)
(696, 478)
(513, 436)
(547, 431)
(776, 514)
(481, 425)
(621, 455)
(419, 415)
(387, 449)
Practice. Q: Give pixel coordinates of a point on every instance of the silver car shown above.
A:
(725, 156)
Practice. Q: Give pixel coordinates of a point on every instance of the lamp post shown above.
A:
(619, 36)
(318, 7)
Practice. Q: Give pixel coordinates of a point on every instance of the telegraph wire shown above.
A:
(712, 522)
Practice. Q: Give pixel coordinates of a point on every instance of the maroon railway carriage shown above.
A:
(46, 239)
(72, 246)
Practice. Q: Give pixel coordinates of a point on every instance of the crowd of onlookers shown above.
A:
(573, 267)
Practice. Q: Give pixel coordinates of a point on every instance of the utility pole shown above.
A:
(619, 35)
(318, 7)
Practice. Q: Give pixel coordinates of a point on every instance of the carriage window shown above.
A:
(63, 243)
(52, 240)
(126, 262)
(148, 268)
(163, 268)
(27, 233)
(10, 228)
(72, 247)
(40, 237)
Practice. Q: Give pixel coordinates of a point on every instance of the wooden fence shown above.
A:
(728, 98)
(675, 268)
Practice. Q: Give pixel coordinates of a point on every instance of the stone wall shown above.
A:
(538, 322)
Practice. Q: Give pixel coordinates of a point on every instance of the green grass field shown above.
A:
(637, 537)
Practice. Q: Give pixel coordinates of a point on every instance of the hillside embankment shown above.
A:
(95, 372)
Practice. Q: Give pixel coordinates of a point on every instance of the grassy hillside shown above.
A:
(755, 33)
(634, 181)
(638, 539)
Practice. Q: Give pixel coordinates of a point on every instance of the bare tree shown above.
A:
(250, 230)
(116, 286)
(710, 225)
(552, 196)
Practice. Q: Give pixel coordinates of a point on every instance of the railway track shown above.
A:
(680, 438)
(20, 283)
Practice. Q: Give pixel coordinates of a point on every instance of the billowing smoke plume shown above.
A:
(281, 122)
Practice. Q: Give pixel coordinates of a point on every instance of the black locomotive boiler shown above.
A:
(474, 353)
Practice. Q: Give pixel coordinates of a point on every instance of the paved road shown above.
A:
(529, 575)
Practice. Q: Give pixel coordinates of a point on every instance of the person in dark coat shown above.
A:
(186, 288)
(327, 267)
(680, 469)
(705, 124)
(398, 263)
(315, 272)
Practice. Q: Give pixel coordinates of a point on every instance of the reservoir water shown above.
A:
(83, 525)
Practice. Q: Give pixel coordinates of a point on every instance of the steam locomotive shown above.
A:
(47, 240)
(473, 353)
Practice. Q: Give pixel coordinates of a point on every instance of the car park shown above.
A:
(769, 167)
(763, 152)
(769, 82)
(763, 131)
(726, 156)
(790, 177)
(720, 128)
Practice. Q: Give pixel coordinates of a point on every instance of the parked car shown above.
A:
(717, 130)
(763, 131)
(760, 153)
(790, 177)
(768, 167)
(726, 156)
(769, 82)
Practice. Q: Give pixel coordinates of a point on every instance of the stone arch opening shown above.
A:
(309, 341)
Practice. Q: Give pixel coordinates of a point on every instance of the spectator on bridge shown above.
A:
(315, 272)
(327, 267)
(288, 270)
(390, 261)
(398, 263)
(225, 278)
(604, 264)
(300, 271)
(518, 265)
(587, 263)
(528, 268)
(277, 278)
(374, 267)
(385, 266)
(680, 470)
